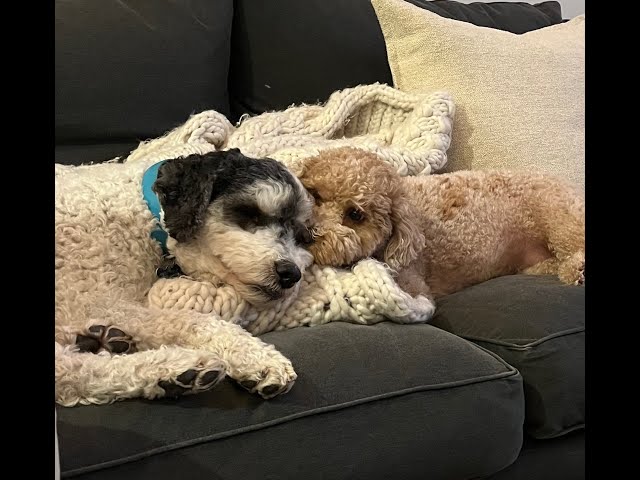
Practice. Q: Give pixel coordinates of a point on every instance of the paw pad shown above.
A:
(264, 389)
(111, 339)
(271, 390)
(189, 382)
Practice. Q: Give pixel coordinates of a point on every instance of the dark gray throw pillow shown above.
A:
(514, 17)
(536, 324)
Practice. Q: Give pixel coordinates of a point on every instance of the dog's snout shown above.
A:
(288, 273)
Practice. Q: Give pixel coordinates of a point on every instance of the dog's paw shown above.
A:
(99, 338)
(194, 380)
(571, 271)
(269, 379)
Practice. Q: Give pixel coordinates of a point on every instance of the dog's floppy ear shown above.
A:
(406, 239)
(185, 188)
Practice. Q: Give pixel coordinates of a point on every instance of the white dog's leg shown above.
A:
(257, 366)
(87, 378)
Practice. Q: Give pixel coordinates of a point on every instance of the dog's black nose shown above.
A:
(288, 273)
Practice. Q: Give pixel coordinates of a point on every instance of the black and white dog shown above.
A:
(222, 217)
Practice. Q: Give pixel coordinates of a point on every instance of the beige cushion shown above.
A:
(519, 98)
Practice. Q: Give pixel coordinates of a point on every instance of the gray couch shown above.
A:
(492, 387)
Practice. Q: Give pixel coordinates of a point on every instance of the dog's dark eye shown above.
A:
(355, 214)
(303, 235)
(314, 194)
(248, 215)
(248, 211)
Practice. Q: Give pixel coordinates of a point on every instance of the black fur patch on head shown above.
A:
(186, 186)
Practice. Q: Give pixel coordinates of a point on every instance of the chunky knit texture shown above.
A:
(366, 295)
(410, 132)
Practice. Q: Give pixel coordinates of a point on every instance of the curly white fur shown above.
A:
(105, 263)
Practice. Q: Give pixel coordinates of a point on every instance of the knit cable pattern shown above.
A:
(412, 132)
(367, 294)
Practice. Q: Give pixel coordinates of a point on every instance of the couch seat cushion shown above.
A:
(384, 401)
(561, 458)
(535, 323)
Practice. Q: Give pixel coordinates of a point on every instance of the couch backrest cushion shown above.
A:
(132, 70)
(291, 51)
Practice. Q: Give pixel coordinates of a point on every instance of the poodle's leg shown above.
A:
(545, 267)
(414, 283)
(560, 213)
(85, 378)
(570, 271)
(257, 366)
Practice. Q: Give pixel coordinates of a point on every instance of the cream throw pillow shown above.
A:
(519, 98)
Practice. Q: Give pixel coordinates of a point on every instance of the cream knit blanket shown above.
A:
(367, 294)
(412, 132)
(409, 131)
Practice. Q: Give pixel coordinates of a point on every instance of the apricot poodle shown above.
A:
(443, 232)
